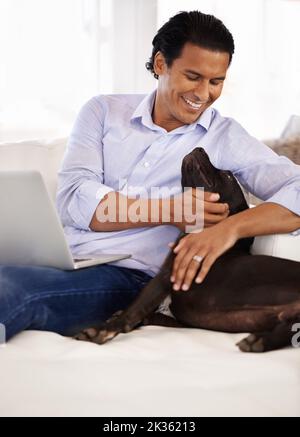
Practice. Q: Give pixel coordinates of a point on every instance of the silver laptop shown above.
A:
(30, 228)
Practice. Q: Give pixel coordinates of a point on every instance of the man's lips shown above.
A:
(193, 105)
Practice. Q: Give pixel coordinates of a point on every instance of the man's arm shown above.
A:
(113, 213)
(80, 179)
(116, 212)
(264, 219)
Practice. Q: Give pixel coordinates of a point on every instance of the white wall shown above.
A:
(55, 54)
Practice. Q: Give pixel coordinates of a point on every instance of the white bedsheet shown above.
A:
(153, 371)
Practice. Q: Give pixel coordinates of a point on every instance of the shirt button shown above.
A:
(146, 164)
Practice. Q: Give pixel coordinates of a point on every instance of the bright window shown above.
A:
(49, 63)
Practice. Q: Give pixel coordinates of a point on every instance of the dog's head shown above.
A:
(197, 171)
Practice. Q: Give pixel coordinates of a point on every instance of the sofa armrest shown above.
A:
(280, 245)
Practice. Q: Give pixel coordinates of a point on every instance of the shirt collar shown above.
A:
(143, 112)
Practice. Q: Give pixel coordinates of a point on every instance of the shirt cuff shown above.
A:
(85, 201)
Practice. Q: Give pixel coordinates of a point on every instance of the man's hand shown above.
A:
(204, 205)
(207, 245)
(212, 242)
(214, 212)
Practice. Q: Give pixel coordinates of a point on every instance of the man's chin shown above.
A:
(191, 118)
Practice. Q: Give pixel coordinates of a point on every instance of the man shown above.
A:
(128, 144)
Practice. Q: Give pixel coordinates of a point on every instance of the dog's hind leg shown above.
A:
(277, 338)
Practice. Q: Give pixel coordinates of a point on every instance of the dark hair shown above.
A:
(195, 27)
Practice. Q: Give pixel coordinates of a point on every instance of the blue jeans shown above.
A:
(62, 301)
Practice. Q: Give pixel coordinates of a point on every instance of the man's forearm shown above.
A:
(116, 212)
(192, 208)
(264, 219)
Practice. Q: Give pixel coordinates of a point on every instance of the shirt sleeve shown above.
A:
(260, 170)
(80, 179)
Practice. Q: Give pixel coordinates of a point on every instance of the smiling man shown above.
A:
(187, 88)
(125, 145)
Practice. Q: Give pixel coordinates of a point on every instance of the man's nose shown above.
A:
(202, 91)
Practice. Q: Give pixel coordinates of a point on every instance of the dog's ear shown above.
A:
(231, 192)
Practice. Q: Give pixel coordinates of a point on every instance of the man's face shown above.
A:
(192, 83)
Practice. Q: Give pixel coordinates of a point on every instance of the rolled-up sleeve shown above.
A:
(261, 171)
(80, 179)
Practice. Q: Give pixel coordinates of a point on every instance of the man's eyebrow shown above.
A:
(200, 75)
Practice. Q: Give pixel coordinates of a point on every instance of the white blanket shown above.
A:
(153, 371)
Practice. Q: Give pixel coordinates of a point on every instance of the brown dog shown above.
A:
(241, 293)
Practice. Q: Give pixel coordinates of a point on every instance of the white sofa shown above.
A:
(153, 371)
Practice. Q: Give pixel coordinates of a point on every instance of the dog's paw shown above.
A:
(105, 332)
(96, 335)
(252, 343)
(86, 334)
(82, 336)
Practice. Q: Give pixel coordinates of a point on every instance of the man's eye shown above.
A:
(192, 77)
(216, 82)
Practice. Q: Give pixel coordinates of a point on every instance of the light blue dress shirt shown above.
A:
(114, 139)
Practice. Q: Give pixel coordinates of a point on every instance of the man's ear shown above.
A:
(159, 63)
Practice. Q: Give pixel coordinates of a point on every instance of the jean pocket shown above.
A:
(140, 277)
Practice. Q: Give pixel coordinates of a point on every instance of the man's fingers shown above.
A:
(215, 208)
(205, 267)
(211, 197)
(190, 274)
(214, 218)
(179, 267)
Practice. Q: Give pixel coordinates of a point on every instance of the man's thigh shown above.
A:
(64, 301)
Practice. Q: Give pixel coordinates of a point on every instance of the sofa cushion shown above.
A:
(289, 147)
(44, 156)
(280, 245)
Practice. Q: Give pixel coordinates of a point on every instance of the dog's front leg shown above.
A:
(145, 303)
(125, 321)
